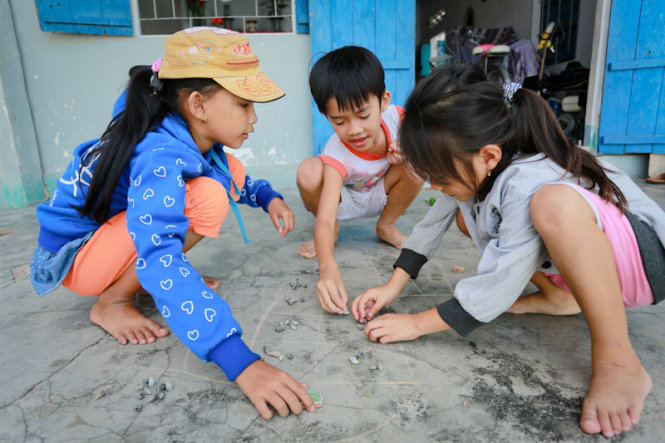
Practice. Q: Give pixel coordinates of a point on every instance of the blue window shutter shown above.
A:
(107, 17)
(302, 16)
(632, 118)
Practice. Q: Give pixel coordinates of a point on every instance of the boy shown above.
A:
(359, 173)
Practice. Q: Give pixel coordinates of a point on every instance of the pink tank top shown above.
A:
(632, 278)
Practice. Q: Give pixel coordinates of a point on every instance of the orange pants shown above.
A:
(110, 251)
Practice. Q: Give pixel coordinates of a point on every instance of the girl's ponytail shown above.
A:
(145, 108)
(537, 131)
(143, 112)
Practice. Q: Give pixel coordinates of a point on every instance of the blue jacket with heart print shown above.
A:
(152, 191)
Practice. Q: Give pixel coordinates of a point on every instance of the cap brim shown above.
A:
(256, 88)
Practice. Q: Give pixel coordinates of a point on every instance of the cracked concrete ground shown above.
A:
(521, 378)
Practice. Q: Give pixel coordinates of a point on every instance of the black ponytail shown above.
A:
(455, 111)
(144, 111)
(537, 130)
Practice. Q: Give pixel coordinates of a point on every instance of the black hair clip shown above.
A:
(156, 84)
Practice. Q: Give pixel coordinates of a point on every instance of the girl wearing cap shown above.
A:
(134, 201)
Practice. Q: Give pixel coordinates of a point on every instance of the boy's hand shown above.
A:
(281, 216)
(395, 156)
(393, 327)
(366, 306)
(331, 292)
(266, 385)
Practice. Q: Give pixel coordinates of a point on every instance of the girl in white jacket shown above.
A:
(538, 207)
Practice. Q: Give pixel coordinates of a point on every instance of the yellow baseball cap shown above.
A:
(219, 54)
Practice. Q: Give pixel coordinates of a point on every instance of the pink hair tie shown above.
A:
(157, 64)
(155, 83)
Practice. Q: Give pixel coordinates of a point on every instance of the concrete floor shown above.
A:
(522, 378)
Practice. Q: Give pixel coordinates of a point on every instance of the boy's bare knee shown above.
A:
(310, 173)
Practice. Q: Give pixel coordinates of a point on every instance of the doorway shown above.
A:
(564, 81)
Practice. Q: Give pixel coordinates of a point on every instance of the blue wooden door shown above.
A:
(632, 118)
(385, 27)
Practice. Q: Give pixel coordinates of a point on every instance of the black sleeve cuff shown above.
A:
(452, 312)
(410, 261)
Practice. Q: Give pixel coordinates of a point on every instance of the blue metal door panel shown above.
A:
(385, 27)
(633, 111)
(302, 17)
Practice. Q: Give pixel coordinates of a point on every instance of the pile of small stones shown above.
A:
(150, 391)
(281, 326)
(291, 300)
(296, 284)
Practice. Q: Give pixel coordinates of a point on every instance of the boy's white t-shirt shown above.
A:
(361, 170)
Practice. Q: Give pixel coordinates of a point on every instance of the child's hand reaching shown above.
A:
(266, 385)
(372, 301)
(400, 327)
(331, 292)
(281, 216)
(393, 327)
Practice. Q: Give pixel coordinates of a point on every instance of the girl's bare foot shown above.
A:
(615, 399)
(212, 282)
(307, 249)
(551, 302)
(390, 234)
(117, 315)
(551, 299)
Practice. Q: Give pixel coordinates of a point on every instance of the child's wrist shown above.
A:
(429, 322)
(232, 356)
(397, 281)
(389, 293)
(327, 266)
